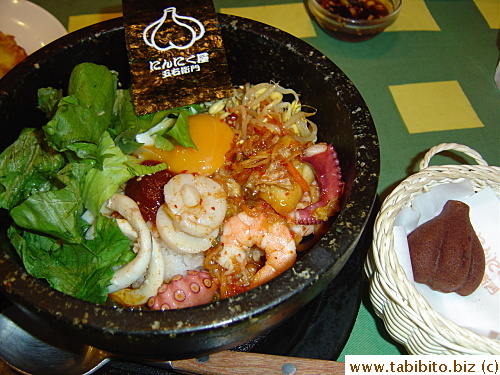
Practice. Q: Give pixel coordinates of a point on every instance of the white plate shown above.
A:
(32, 26)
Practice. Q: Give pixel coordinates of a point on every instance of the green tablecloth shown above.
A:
(427, 80)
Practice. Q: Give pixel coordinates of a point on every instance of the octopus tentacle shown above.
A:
(195, 288)
(324, 160)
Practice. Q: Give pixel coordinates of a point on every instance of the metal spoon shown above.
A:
(33, 348)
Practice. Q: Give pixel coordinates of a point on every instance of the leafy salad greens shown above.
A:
(50, 177)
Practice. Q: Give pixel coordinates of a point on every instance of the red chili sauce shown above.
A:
(356, 9)
(147, 191)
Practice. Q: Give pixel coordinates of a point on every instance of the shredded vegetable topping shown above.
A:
(263, 105)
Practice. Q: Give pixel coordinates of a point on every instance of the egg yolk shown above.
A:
(213, 139)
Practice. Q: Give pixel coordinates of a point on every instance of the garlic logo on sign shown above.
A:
(149, 34)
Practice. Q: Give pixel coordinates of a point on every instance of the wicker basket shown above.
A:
(408, 317)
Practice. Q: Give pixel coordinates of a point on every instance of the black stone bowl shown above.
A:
(256, 53)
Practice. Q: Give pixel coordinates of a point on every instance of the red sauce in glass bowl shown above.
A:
(356, 9)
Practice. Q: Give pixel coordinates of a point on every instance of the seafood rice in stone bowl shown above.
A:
(285, 200)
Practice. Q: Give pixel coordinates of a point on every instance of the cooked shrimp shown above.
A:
(266, 231)
(196, 203)
(302, 231)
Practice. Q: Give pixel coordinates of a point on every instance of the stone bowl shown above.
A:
(256, 53)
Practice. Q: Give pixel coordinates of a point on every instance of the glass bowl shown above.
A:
(353, 29)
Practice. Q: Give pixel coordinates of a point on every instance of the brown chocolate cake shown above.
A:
(446, 253)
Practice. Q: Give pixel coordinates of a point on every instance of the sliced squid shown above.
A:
(197, 203)
(180, 241)
(131, 271)
(127, 229)
(152, 281)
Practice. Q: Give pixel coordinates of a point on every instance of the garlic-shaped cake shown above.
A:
(446, 253)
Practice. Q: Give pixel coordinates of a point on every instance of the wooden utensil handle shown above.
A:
(243, 363)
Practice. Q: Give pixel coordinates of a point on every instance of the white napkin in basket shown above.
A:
(480, 311)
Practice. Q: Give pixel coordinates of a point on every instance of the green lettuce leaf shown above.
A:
(81, 270)
(48, 99)
(102, 181)
(112, 169)
(56, 213)
(164, 143)
(127, 120)
(87, 111)
(180, 131)
(127, 125)
(141, 170)
(81, 151)
(27, 167)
